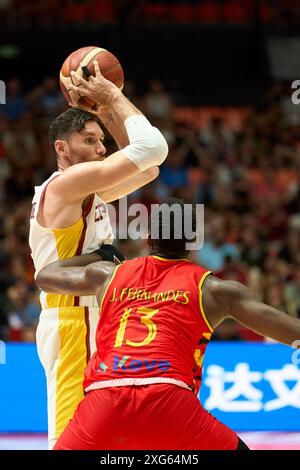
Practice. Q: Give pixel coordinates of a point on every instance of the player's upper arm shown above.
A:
(215, 306)
(82, 179)
(129, 186)
(233, 296)
(223, 299)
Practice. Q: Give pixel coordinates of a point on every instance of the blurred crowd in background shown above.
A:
(73, 13)
(245, 171)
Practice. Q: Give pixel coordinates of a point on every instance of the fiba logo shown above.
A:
(2, 92)
(2, 353)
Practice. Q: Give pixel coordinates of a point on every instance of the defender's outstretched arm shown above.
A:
(223, 299)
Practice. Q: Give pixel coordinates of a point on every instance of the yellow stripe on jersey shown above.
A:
(200, 300)
(170, 259)
(198, 356)
(72, 362)
(67, 241)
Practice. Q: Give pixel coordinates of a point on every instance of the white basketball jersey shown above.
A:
(86, 235)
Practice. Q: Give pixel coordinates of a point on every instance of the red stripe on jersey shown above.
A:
(85, 212)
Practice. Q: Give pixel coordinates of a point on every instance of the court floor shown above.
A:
(255, 440)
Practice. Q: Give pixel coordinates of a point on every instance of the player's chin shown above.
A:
(96, 158)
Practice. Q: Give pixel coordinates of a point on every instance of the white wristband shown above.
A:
(147, 146)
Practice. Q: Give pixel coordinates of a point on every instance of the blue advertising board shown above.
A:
(23, 405)
(253, 386)
(248, 386)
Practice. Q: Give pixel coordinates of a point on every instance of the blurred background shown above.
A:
(216, 78)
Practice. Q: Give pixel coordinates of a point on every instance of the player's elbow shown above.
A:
(49, 277)
(158, 150)
(152, 148)
(152, 173)
(147, 147)
(43, 280)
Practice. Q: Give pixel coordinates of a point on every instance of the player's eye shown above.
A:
(90, 140)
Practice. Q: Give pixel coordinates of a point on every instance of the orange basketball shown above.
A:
(109, 65)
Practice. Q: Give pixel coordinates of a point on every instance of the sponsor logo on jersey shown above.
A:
(128, 364)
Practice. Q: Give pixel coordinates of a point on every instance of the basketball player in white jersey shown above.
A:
(69, 216)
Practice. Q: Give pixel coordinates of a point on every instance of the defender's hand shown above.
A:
(110, 253)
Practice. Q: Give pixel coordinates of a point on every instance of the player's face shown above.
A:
(87, 145)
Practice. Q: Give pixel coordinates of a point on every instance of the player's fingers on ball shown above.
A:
(78, 79)
(92, 79)
(73, 88)
(97, 68)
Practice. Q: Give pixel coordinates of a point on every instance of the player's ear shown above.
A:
(61, 147)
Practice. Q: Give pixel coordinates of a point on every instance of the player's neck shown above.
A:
(163, 254)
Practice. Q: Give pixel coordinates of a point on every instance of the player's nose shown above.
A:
(101, 149)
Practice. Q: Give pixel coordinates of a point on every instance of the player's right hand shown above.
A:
(98, 88)
(110, 253)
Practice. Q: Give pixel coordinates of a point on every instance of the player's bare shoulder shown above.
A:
(210, 290)
(55, 211)
(219, 297)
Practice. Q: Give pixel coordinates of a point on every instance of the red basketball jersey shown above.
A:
(152, 324)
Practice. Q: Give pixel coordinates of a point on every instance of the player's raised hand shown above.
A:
(96, 87)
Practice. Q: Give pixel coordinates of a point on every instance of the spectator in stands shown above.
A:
(23, 310)
(157, 102)
(173, 173)
(292, 292)
(232, 271)
(218, 138)
(47, 100)
(16, 103)
(216, 248)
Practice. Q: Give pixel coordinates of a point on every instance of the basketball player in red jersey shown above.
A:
(157, 314)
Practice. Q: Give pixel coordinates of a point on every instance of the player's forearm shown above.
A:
(113, 107)
(223, 299)
(68, 279)
(268, 321)
(129, 186)
(115, 125)
(80, 260)
(114, 115)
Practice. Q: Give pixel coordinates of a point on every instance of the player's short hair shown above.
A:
(167, 226)
(71, 120)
